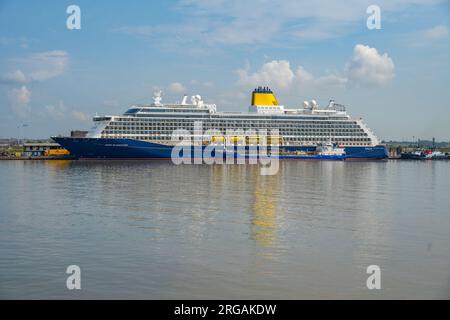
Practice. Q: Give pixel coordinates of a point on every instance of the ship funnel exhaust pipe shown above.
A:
(263, 96)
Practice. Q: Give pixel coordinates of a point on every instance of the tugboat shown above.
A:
(436, 155)
(416, 155)
(425, 155)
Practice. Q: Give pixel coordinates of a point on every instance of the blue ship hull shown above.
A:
(100, 148)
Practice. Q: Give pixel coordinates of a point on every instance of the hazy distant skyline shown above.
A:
(54, 79)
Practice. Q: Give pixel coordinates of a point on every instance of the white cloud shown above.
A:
(176, 87)
(277, 74)
(258, 22)
(39, 66)
(21, 42)
(303, 76)
(80, 116)
(437, 33)
(332, 80)
(368, 67)
(22, 95)
(59, 111)
(243, 31)
(20, 98)
(13, 77)
(47, 65)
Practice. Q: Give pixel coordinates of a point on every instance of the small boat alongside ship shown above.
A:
(416, 155)
(425, 155)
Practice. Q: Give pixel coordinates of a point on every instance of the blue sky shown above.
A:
(54, 79)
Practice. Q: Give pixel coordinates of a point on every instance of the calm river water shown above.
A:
(153, 230)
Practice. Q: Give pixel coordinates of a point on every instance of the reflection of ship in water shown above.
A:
(261, 200)
(264, 220)
(58, 164)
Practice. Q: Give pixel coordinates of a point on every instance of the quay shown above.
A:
(39, 150)
(419, 150)
(15, 149)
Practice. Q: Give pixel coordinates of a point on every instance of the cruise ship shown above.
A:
(147, 131)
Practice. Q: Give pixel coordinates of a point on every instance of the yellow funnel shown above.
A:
(263, 96)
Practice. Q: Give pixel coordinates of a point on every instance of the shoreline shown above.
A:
(43, 158)
(37, 158)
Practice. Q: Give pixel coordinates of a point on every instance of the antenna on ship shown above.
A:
(305, 104)
(184, 101)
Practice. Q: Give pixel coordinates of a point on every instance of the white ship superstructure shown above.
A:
(309, 125)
